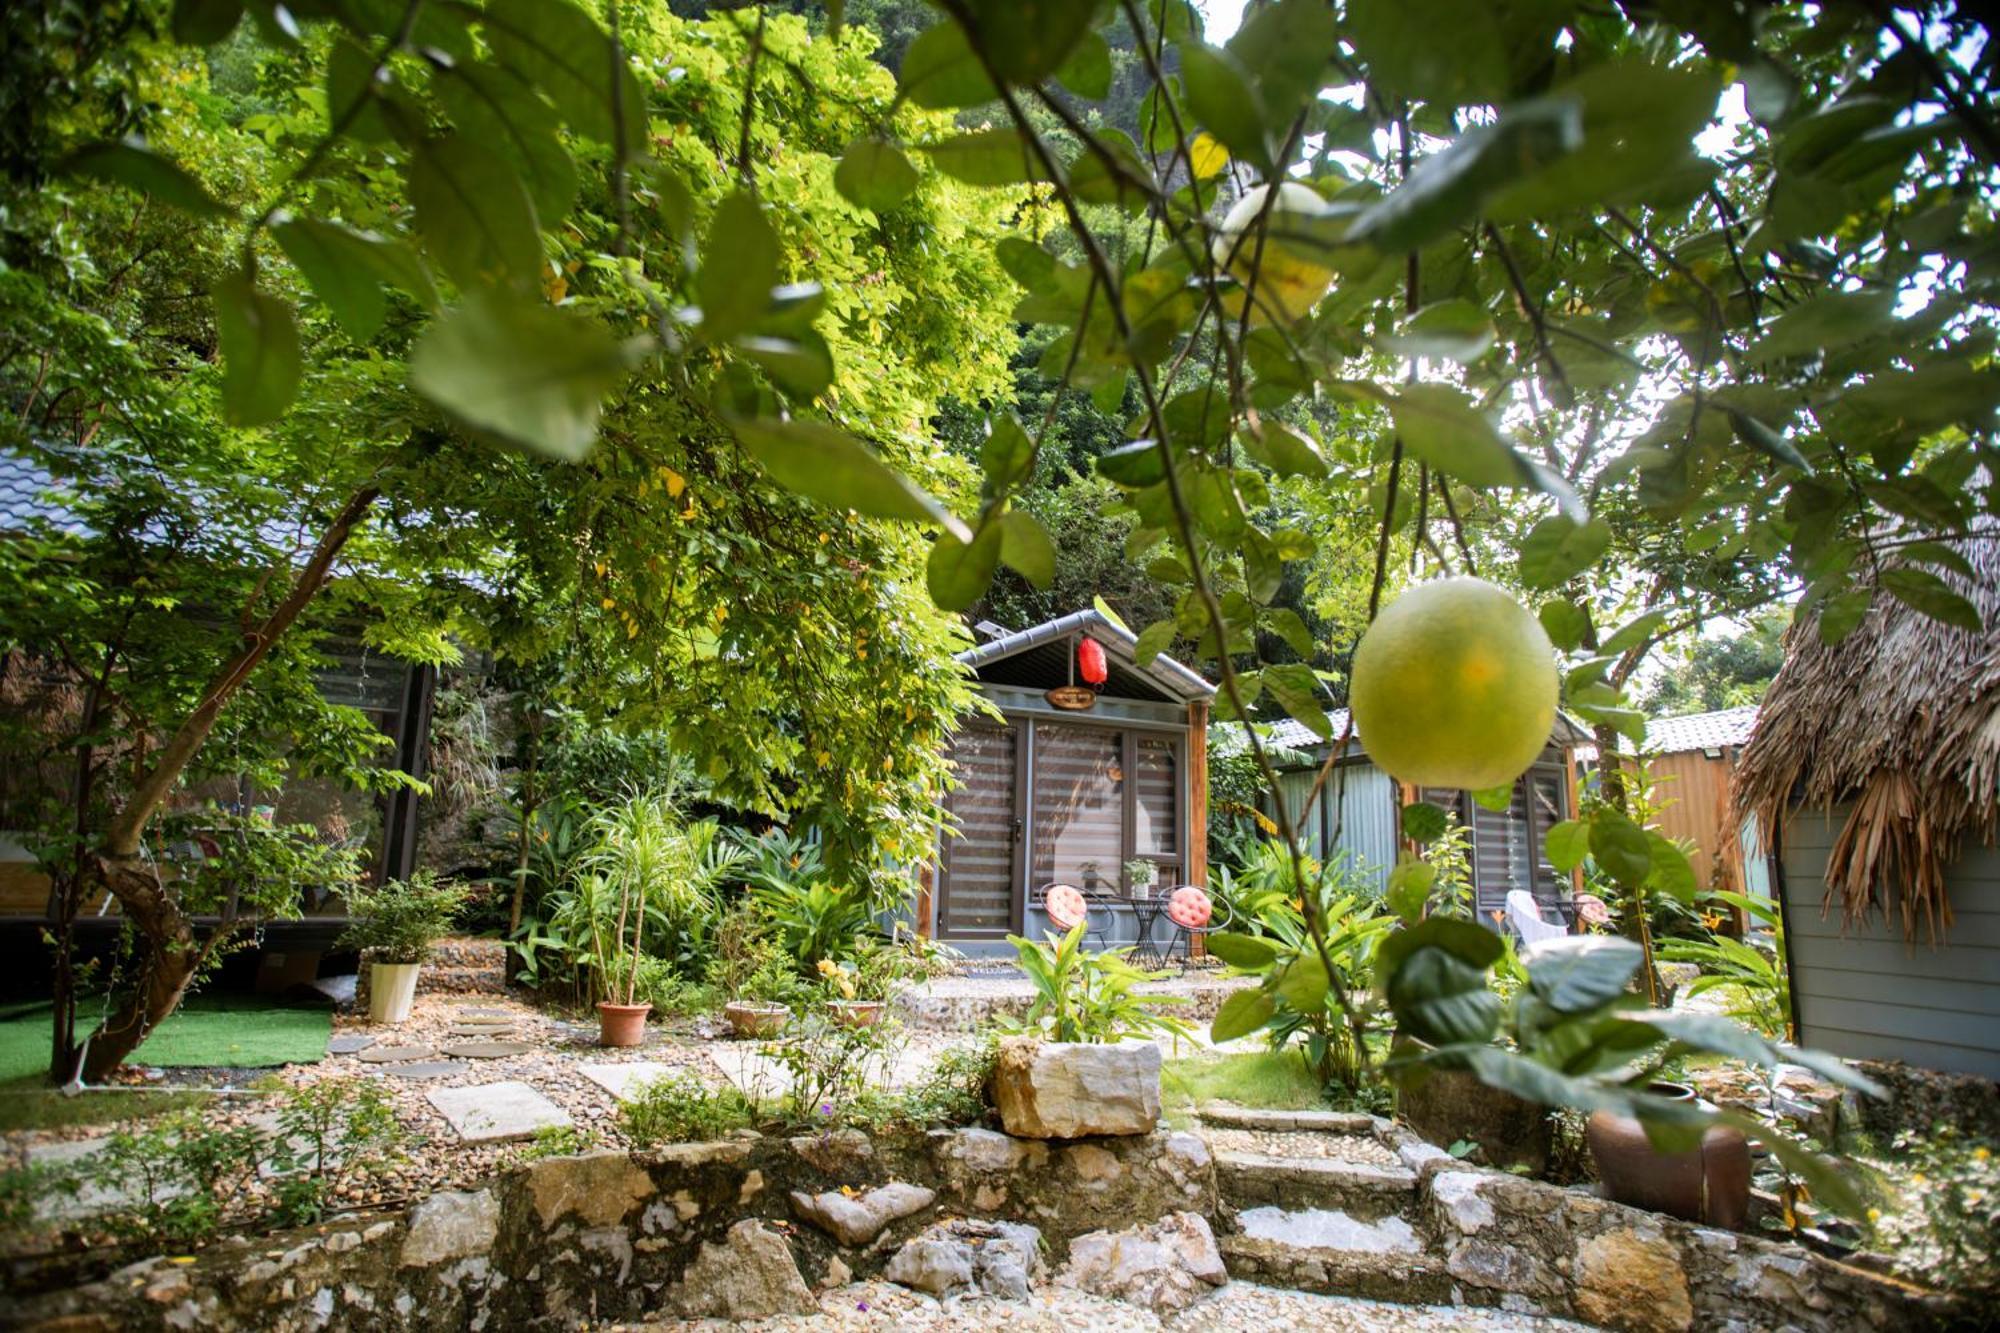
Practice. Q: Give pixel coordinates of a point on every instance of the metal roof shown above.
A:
(1719, 730)
(1178, 682)
(1291, 734)
(24, 500)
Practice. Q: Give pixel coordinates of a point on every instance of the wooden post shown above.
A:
(926, 878)
(1574, 797)
(1197, 789)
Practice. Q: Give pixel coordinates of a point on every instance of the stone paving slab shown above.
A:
(488, 1050)
(470, 1011)
(349, 1044)
(625, 1080)
(424, 1070)
(389, 1055)
(761, 1078)
(497, 1112)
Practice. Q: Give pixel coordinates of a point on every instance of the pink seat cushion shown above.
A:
(1189, 907)
(1065, 906)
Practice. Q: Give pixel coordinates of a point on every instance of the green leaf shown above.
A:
(1829, 321)
(986, 157)
(560, 50)
(1441, 427)
(351, 79)
(1671, 873)
(1842, 614)
(940, 70)
(131, 163)
(1565, 622)
(874, 175)
(1252, 953)
(1621, 848)
(1140, 463)
(1303, 984)
(1025, 546)
(1028, 40)
(1026, 263)
(1219, 93)
(1409, 887)
(205, 22)
(1580, 972)
(1921, 590)
(801, 366)
(1450, 188)
(1767, 441)
(493, 106)
(1496, 799)
(1286, 450)
(1456, 330)
(528, 373)
(1467, 941)
(1288, 625)
(826, 464)
(1296, 689)
(474, 214)
(1155, 639)
(1007, 455)
(1632, 633)
(1559, 548)
(1716, 1035)
(958, 573)
(1447, 51)
(1439, 998)
(1241, 1014)
(1087, 72)
(738, 269)
(347, 269)
(1103, 608)
(1568, 843)
(260, 352)
(1424, 822)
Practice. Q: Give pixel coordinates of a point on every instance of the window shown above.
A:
(1101, 798)
(1510, 847)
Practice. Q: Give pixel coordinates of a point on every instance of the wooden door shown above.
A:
(979, 896)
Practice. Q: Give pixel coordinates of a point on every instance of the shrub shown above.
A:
(558, 1141)
(680, 1108)
(328, 1133)
(1943, 1225)
(181, 1173)
(1084, 996)
(400, 921)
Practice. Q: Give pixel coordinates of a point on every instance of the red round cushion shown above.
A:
(1188, 906)
(1065, 906)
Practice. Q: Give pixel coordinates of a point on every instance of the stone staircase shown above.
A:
(1325, 1201)
(465, 967)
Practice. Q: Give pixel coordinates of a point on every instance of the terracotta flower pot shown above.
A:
(1709, 1183)
(753, 1018)
(858, 1013)
(1452, 1105)
(621, 1024)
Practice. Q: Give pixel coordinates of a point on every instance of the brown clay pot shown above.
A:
(750, 1018)
(621, 1024)
(858, 1013)
(1709, 1183)
(1452, 1104)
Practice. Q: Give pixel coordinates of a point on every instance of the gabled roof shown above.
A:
(1177, 682)
(1291, 734)
(1719, 730)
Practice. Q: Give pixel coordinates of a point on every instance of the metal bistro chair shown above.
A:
(1070, 906)
(1193, 914)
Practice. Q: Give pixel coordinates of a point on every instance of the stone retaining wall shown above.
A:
(749, 1227)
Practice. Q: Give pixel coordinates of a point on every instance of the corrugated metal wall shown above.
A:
(1868, 995)
(1697, 790)
(1367, 816)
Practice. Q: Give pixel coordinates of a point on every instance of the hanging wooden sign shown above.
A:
(1075, 698)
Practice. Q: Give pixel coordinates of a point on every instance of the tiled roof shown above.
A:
(1701, 731)
(23, 483)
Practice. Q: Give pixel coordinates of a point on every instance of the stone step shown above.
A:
(1363, 1190)
(1331, 1252)
(436, 980)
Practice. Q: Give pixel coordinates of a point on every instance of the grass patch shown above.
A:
(1266, 1080)
(229, 1031)
(30, 1103)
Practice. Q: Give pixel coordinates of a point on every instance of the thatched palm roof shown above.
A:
(1901, 718)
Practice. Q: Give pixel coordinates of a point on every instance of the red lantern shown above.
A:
(1090, 663)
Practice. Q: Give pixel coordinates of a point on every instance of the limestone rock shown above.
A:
(859, 1219)
(1632, 1280)
(963, 1257)
(1165, 1267)
(1065, 1090)
(600, 1188)
(451, 1225)
(751, 1275)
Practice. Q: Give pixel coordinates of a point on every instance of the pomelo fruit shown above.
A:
(1454, 685)
(1291, 279)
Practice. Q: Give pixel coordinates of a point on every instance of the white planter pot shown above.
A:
(392, 989)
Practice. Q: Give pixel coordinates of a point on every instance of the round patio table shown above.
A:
(1146, 912)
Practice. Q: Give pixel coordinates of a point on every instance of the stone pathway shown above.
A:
(497, 1112)
(390, 1055)
(626, 1080)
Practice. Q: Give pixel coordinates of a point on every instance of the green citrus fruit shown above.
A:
(1454, 685)
(1290, 279)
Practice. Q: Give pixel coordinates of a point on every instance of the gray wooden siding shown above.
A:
(1367, 817)
(1868, 995)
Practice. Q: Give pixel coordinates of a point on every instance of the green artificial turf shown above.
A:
(1266, 1080)
(232, 1031)
(30, 1103)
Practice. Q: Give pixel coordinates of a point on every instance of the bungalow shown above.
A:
(1694, 758)
(1093, 763)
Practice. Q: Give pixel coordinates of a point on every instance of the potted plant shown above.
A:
(759, 1008)
(861, 988)
(653, 866)
(1143, 875)
(396, 924)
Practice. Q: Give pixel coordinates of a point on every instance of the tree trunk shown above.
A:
(169, 958)
(1611, 782)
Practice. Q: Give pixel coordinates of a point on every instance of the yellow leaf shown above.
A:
(608, 604)
(675, 482)
(601, 567)
(1207, 156)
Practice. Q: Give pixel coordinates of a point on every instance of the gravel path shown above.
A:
(1240, 1307)
(1360, 1148)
